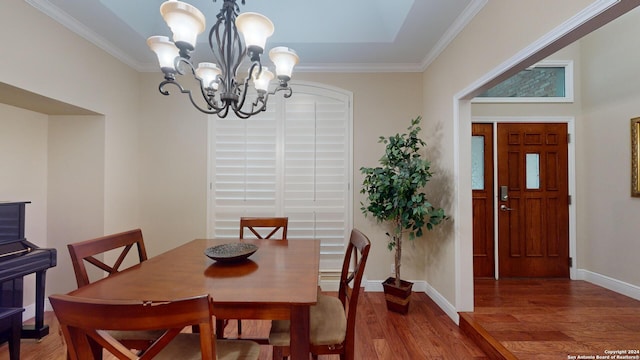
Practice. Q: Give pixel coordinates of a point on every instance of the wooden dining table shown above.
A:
(278, 281)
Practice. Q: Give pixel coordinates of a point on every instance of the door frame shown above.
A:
(570, 121)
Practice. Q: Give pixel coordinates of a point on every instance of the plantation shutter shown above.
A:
(244, 155)
(294, 160)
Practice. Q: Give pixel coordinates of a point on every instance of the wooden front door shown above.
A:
(533, 200)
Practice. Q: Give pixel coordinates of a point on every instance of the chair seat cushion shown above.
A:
(327, 320)
(187, 347)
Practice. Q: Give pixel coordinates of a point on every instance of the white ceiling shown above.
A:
(328, 35)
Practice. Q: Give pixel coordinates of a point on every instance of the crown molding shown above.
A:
(460, 23)
(45, 7)
(75, 26)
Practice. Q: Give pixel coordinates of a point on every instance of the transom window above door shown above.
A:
(546, 81)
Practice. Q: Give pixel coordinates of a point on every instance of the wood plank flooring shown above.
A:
(425, 333)
(553, 319)
(528, 319)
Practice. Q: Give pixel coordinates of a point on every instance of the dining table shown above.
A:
(278, 281)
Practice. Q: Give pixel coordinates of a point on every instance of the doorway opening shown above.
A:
(592, 18)
(522, 181)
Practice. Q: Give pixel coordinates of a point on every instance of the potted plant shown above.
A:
(394, 195)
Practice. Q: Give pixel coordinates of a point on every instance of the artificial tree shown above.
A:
(394, 191)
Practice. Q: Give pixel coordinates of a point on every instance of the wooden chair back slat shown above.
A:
(349, 291)
(86, 251)
(83, 321)
(254, 223)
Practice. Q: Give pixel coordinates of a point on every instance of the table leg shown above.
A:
(299, 343)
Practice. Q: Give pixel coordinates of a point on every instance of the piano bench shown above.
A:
(10, 329)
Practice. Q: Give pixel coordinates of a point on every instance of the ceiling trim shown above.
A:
(460, 23)
(359, 68)
(78, 28)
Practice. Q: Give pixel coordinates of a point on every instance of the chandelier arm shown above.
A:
(163, 91)
(288, 90)
(223, 113)
(241, 114)
(219, 55)
(214, 33)
(262, 99)
(179, 62)
(236, 52)
(242, 90)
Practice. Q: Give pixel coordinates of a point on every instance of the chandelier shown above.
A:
(221, 84)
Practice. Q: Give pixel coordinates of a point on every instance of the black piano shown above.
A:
(19, 257)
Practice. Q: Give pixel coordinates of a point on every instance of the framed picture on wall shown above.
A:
(635, 152)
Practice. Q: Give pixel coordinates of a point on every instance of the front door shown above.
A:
(533, 200)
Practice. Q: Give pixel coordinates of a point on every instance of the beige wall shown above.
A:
(499, 31)
(23, 172)
(75, 187)
(52, 61)
(47, 59)
(155, 177)
(608, 224)
(173, 150)
(173, 167)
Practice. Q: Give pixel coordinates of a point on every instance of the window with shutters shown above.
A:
(292, 160)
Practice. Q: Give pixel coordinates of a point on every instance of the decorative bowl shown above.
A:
(231, 252)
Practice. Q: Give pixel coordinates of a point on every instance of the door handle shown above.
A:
(504, 207)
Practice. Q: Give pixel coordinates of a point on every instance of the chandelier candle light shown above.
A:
(221, 86)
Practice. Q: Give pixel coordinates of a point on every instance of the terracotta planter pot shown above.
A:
(397, 297)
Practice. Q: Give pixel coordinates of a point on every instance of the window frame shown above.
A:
(568, 87)
(277, 103)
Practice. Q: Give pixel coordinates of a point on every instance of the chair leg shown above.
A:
(278, 353)
(220, 325)
(239, 327)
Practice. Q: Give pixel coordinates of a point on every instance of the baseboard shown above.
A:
(421, 286)
(612, 284)
(329, 280)
(443, 303)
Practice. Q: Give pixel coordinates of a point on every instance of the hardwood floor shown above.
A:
(553, 319)
(526, 319)
(425, 333)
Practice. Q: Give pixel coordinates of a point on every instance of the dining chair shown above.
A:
(261, 228)
(332, 319)
(84, 323)
(87, 251)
